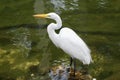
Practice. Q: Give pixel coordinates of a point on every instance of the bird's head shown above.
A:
(53, 16)
(49, 15)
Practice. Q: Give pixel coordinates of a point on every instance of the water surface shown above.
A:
(26, 53)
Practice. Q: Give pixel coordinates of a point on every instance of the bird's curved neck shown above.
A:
(58, 22)
(51, 30)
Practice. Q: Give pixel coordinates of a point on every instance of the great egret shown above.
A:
(67, 39)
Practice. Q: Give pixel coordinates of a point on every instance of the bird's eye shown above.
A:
(49, 16)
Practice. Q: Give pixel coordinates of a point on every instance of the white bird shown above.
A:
(67, 39)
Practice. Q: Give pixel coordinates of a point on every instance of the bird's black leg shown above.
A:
(74, 67)
(71, 60)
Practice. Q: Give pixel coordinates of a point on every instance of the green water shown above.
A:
(26, 53)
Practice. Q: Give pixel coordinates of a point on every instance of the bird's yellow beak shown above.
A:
(40, 15)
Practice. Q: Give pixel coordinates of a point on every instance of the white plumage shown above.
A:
(73, 45)
(67, 39)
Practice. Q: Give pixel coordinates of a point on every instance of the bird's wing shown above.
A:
(71, 39)
(70, 36)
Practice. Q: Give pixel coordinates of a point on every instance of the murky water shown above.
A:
(26, 53)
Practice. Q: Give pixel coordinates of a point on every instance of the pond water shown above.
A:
(26, 53)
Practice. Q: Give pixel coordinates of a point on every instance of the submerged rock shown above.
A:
(67, 73)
